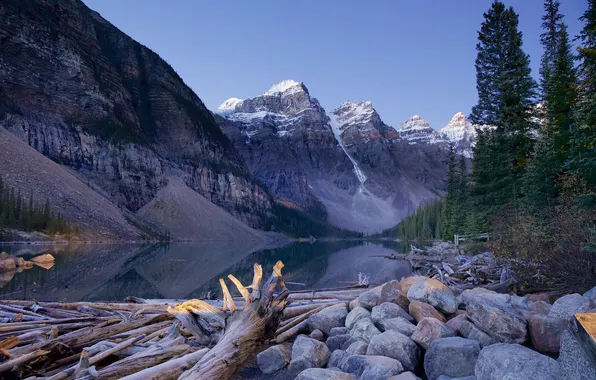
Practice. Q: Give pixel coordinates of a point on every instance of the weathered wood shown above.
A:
(301, 327)
(21, 360)
(169, 370)
(302, 317)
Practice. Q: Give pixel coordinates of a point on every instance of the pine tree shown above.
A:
(583, 141)
(506, 93)
(451, 196)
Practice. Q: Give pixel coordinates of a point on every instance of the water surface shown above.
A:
(190, 270)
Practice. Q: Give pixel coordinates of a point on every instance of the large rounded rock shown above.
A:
(356, 314)
(468, 330)
(514, 362)
(397, 346)
(328, 318)
(574, 361)
(470, 294)
(566, 306)
(421, 310)
(364, 329)
(434, 293)
(398, 324)
(339, 342)
(274, 358)
(429, 330)
(405, 376)
(308, 353)
(368, 299)
(371, 367)
(389, 310)
(455, 322)
(545, 332)
(337, 358)
(591, 294)
(323, 374)
(455, 357)
(406, 282)
(499, 320)
(339, 331)
(357, 348)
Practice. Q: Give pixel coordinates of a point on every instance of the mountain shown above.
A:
(113, 113)
(347, 166)
(418, 130)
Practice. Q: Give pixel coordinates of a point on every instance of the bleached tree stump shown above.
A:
(237, 334)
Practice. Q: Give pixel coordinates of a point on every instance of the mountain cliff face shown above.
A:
(347, 165)
(89, 97)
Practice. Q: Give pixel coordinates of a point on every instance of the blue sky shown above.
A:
(407, 57)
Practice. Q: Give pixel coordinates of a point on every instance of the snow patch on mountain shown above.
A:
(283, 87)
(229, 105)
(418, 130)
(336, 128)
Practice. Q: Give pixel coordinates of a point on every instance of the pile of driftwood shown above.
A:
(151, 339)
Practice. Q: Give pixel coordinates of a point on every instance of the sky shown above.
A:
(407, 57)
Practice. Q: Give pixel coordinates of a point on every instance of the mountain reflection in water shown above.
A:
(190, 270)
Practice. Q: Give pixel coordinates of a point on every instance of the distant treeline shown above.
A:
(27, 214)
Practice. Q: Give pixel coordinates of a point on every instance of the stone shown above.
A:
(318, 335)
(499, 320)
(455, 322)
(328, 318)
(7, 262)
(339, 342)
(468, 330)
(339, 331)
(429, 330)
(591, 294)
(406, 282)
(274, 358)
(405, 376)
(337, 358)
(354, 304)
(364, 329)
(357, 348)
(398, 324)
(455, 357)
(421, 310)
(368, 367)
(397, 346)
(388, 310)
(443, 377)
(514, 362)
(368, 299)
(390, 291)
(540, 307)
(45, 258)
(573, 360)
(545, 332)
(566, 306)
(434, 293)
(469, 294)
(356, 314)
(308, 353)
(323, 374)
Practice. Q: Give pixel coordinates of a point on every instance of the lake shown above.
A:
(191, 270)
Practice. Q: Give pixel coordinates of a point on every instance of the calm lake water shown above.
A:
(190, 270)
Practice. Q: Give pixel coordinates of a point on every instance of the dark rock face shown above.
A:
(347, 165)
(89, 97)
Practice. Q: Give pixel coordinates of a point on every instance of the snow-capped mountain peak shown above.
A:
(285, 86)
(229, 105)
(354, 113)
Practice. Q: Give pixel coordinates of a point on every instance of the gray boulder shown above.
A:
(429, 330)
(356, 314)
(353, 304)
(566, 306)
(398, 324)
(364, 329)
(371, 367)
(308, 353)
(357, 348)
(323, 374)
(339, 342)
(368, 299)
(591, 294)
(339, 331)
(337, 358)
(468, 330)
(499, 320)
(514, 362)
(421, 310)
(405, 376)
(397, 346)
(455, 357)
(388, 310)
(274, 358)
(545, 332)
(469, 294)
(435, 293)
(328, 318)
(455, 323)
(317, 334)
(573, 360)
(443, 377)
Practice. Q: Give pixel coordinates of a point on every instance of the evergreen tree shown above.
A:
(506, 94)
(583, 142)
(451, 196)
